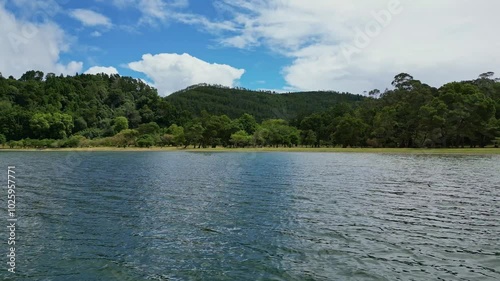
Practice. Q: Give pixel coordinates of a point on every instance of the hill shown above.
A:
(233, 102)
(108, 110)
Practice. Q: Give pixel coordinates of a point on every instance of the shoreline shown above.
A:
(452, 151)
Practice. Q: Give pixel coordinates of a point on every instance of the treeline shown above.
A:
(39, 106)
(414, 114)
(39, 111)
(206, 131)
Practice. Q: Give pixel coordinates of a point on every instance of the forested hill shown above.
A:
(30, 107)
(41, 110)
(233, 102)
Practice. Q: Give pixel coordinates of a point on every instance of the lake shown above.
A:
(253, 216)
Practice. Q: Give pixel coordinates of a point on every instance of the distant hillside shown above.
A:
(41, 110)
(263, 105)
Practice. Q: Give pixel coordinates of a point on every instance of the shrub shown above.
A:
(146, 141)
(91, 133)
(73, 141)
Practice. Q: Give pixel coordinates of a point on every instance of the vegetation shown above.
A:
(234, 103)
(49, 111)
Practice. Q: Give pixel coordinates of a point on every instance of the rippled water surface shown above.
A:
(254, 216)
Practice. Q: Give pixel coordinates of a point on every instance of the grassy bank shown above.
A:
(465, 151)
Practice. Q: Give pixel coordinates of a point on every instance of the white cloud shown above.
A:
(435, 41)
(32, 46)
(39, 9)
(96, 34)
(90, 18)
(172, 72)
(102, 69)
(152, 11)
(121, 3)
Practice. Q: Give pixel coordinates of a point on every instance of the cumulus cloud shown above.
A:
(90, 18)
(32, 46)
(102, 69)
(360, 45)
(172, 72)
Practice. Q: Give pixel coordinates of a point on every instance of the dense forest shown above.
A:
(45, 110)
(219, 100)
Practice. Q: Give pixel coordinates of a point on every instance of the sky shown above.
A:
(279, 45)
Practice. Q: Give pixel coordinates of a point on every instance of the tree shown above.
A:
(375, 93)
(3, 140)
(469, 113)
(487, 75)
(432, 123)
(48, 125)
(146, 141)
(40, 125)
(350, 132)
(260, 137)
(402, 81)
(147, 115)
(32, 75)
(62, 125)
(278, 132)
(166, 139)
(194, 134)
(178, 137)
(241, 139)
(120, 124)
(247, 123)
(149, 128)
(309, 138)
(386, 126)
(80, 124)
(50, 75)
(126, 137)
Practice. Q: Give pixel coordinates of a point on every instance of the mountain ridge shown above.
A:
(234, 102)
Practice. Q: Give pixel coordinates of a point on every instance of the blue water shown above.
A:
(253, 216)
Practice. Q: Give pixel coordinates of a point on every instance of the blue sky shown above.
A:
(282, 45)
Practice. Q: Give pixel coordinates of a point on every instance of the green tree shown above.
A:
(126, 137)
(248, 123)
(120, 123)
(62, 125)
(432, 123)
(278, 132)
(3, 140)
(194, 134)
(146, 141)
(149, 128)
(309, 138)
(350, 132)
(177, 135)
(40, 125)
(241, 139)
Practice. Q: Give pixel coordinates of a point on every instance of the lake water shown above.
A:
(253, 216)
